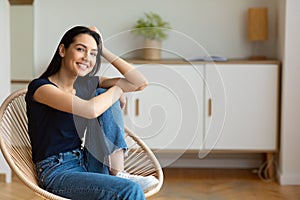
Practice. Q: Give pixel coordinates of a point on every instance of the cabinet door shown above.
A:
(241, 106)
(168, 114)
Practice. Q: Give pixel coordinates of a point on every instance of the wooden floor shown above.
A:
(189, 184)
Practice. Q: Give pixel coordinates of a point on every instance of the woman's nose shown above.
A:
(86, 56)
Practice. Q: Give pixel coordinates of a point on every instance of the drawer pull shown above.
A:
(209, 107)
(126, 107)
(137, 107)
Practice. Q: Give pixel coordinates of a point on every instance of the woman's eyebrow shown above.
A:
(80, 44)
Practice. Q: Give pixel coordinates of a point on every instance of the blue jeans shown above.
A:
(68, 175)
(105, 134)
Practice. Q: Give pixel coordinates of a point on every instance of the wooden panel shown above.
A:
(20, 2)
(258, 24)
(14, 81)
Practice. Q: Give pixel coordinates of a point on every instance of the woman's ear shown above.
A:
(62, 50)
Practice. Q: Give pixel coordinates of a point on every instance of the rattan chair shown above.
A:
(16, 148)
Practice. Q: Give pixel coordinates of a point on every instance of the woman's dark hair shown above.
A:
(66, 40)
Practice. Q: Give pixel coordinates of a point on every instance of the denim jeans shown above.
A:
(105, 134)
(68, 175)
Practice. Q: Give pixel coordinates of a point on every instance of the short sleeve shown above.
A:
(34, 85)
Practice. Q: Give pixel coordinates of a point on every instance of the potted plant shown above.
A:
(154, 29)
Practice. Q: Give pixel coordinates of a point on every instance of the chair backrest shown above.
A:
(142, 161)
(15, 143)
(16, 148)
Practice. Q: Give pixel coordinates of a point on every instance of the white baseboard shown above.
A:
(237, 161)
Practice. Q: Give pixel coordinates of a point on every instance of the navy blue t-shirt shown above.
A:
(52, 131)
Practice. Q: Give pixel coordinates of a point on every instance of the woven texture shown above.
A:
(16, 149)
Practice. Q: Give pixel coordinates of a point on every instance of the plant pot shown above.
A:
(152, 49)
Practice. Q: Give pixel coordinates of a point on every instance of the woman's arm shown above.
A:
(133, 79)
(66, 102)
(131, 74)
(121, 82)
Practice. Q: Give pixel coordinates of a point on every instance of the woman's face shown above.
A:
(80, 56)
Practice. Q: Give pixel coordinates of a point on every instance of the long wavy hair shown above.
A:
(66, 40)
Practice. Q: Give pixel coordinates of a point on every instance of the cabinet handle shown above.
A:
(126, 107)
(137, 107)
(209, 107)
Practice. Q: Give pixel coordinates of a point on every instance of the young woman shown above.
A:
(63, 103)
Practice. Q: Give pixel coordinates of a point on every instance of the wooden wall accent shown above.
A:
(20, 2)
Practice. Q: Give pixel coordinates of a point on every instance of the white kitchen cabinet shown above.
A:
(231, 106)
(242, 107)
(227, 107)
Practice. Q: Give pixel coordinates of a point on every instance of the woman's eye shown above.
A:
(80, 49)
(94, 54)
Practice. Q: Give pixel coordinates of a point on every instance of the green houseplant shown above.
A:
(154, 29)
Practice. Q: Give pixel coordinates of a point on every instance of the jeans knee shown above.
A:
(138, 191)
(100, 91)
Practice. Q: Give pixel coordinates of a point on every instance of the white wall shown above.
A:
(219, 26)
(290, 126)
(5, 68)
(21, 29)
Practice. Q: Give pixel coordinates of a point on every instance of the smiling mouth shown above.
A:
(82, 66)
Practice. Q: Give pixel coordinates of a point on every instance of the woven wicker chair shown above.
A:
(16, 149)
